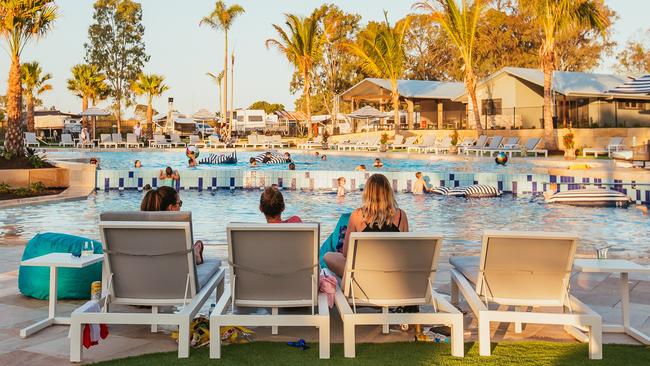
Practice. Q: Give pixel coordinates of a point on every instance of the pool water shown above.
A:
(123, 160)
(460, 220)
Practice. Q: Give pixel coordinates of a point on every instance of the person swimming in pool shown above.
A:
(378, 163)
(252, 162)
(323, 157)
(267, 157)
(192, 162)
(272, 206)
(292, 166)
(340, 191)
(420, 185)
(137, 164)
(361, 168)
(168, 177)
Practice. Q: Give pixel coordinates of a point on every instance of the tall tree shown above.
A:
(301, 43)
(152, 86)
(267, 107)
(20, 22)
(116, 46)
(634, 59)
(460, 24)
(89, 84)
(429, 54)
(221, 18)
(218, 78)
(555, 18)
(34, 84)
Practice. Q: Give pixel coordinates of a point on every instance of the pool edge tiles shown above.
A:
(516, 183)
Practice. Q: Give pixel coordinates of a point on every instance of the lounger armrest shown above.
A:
(194, 305)
(469, 293)
(223, 302)
(342, 303)
(442, 304)
(578, 306)
(323, 307)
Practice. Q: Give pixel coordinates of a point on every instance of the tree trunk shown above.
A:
(118, 113)
(232, 89)
(550, 141)
(85, 121)
(30, 112)
(13, 136)
(150, 118)
(306, 92)
(470, 84)
(224, 106)
(398, 122)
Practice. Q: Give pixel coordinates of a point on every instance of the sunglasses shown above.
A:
(180, 203)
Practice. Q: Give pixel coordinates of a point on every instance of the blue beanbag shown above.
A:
(73, 283)
(334, 242)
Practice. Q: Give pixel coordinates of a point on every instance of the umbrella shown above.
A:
(203, 115)
(94, 112)
(367, 113)
(640, 85)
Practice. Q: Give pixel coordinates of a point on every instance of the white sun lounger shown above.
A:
(443, 146)
(614, 144)
(117, 139)
(530, 147)
(175, 140)
(149, 261)
(132, 141)
(397, 140)
(525, 269)
(408, 142)
(214, 142)
(428, 142)
(509, 147)
(480, 143)
(316, 143)
(66, 140)
(30, 140)
(105, 140)
(466, 143)
(385, 270)
(159, 141)
(272, 266)
(195, 140)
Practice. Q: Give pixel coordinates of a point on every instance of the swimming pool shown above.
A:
(460, 220)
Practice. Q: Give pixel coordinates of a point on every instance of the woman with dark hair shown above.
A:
(378, 213)
(168, 177)
(167, 199)
(272, 206)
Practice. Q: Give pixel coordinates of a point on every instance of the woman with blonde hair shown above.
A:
(378, 213)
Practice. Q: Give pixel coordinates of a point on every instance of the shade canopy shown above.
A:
(640, 85)
(367, 112)
(95, 112)
(203, 115)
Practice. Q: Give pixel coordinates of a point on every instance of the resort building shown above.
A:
(513, 98)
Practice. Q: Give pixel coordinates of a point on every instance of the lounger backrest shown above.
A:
(446, 141)
(175, 137)
(66, 137)
(159, 139)
(512, 141)
(526, 268)
(318, 139)
(117, 137)
(615, 141)
(391, 269)
(130, 138)
(105, 137)
(410, 140)
(481, 141)
(398, 139)
(194, 139)
(148, 256)
(467, 141)
(495, 142)
(30, 136)
(429, 140)
(273, 265)
(532, 143)
(252, 139)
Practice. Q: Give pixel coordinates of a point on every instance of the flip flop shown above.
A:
(299, 344)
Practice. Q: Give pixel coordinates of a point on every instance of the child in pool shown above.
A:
(272, 206)
(137, 164)
(292, 166)
(192, 162)
(341, 187)
(252, 162)
(420, 185)
(361, 168)
(378, 163)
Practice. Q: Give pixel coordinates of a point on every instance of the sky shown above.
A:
(183, 52)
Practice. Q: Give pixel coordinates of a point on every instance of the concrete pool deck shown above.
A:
(50, 347)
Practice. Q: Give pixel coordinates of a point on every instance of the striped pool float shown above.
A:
(481, 190)
(589, 197)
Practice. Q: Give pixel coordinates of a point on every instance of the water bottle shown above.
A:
(88, 249)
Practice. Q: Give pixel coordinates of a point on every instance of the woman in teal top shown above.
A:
(168, 177)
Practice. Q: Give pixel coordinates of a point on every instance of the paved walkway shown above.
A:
(50, 346)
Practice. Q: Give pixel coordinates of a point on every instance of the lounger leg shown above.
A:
(154, 327)
(75, 341)
(454, 292)
(324, 338)
(348, 338)
(384, 327)
(274, 328)
(483, 334)
(215, 341)
(457, 340)
(184, 339)
(518, 327)
(596, 342)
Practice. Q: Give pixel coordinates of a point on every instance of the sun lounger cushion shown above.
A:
(72, 283)
(207, 269)
(334, 242)
(444, 191)
(480, 190)
(467, 266)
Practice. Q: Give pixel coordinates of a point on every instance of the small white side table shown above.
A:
(54, 261)
(624, 267)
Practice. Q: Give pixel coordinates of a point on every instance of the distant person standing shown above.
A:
(137, 131)
(84, 137)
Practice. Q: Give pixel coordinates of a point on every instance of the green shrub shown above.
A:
(4, 188)
(37, 187)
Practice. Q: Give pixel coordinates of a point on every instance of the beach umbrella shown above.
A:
(94, 112)
(367, 113)
(640, 85)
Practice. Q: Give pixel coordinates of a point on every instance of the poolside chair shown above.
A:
(30, 140)
(214, 142)
(428, 141)
(397, 140)
(385, 270)
(132, 141)
(105, 140)
(272, 266)
(466, 143)
(276, 141)
(409, 141)
(443, 146)
(350, 144)
(175, 140)
(149, 261)
(159, 141)
(614, 144)
(316, 143)
(480, 143)
(196, 141)
(511, 145)
(491, 147)
(531, 147)
(66, 140)
(372, 143)
(117, 139)
(525, 269)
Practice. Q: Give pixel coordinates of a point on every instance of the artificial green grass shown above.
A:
(505, 353)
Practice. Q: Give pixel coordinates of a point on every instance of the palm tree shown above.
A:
(20, 22)
(555, 17)
(301, 44)
(381, 52)
(88, 83)
(34, 83)
(461, 25)
(217, 79)
(221, 18)
(152, 86)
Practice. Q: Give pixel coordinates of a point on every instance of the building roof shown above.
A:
(640, 85)
(413, 89)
